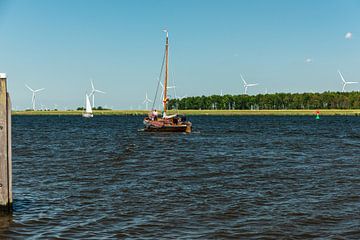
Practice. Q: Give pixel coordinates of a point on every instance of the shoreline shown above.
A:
(295, 112)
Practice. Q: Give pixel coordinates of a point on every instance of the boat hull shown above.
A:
(87, 115)
(158, 126)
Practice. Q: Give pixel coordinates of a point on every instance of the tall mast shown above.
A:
(166, 69)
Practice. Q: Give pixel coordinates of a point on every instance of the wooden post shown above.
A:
(5, 147)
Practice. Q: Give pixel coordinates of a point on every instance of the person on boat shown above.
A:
(183, 118)
(176, 120)
(155, 115)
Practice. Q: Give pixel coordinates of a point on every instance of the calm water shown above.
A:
(234, 177)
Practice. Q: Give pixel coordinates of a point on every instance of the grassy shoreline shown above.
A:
(326, 112)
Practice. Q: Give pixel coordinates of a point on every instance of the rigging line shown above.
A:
(160, 75)
(174, 84)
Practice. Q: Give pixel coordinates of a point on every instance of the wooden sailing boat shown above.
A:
(88, 110)
(165, 123)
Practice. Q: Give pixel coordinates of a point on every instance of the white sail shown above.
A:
(88, 108)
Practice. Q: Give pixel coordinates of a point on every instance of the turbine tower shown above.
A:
(33, 95)
(246, 85)
(147, 101)
(344, 82)
(92, 93)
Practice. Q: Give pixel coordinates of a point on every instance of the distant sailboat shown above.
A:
(171, 123)
(88, 110)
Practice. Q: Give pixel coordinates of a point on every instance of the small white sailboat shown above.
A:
(88, 110)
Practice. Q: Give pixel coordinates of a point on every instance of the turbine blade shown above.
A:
(342, 78)
(242, 78)
(92, 85)
(38, 90)
(29, 88)
(100, 91)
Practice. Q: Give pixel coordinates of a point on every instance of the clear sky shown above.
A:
(285, 46)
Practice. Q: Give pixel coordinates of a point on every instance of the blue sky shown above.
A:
(60, 45)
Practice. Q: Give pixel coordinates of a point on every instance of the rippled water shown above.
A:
(234, 177)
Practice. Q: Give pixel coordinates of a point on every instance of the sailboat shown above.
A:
(88, 110)
(166, 123)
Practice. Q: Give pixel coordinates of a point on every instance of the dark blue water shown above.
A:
(234, 177)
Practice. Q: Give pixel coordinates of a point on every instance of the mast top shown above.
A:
(167, 33)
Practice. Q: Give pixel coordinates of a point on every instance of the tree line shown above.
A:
(278, 101)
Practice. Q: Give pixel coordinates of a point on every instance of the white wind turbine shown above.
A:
(344, 82)
(92, 93)
(175, 94)
(246, 85)
(33, 95)
(168, 87)
(147, 101)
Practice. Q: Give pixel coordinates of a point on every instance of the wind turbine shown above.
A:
(92, 93)
(246, 85)
(33, 95)
(344, 82)
(168, 87)
(175, 94)
(147, 101)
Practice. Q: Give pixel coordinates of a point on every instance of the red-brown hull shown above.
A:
(160, 126)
